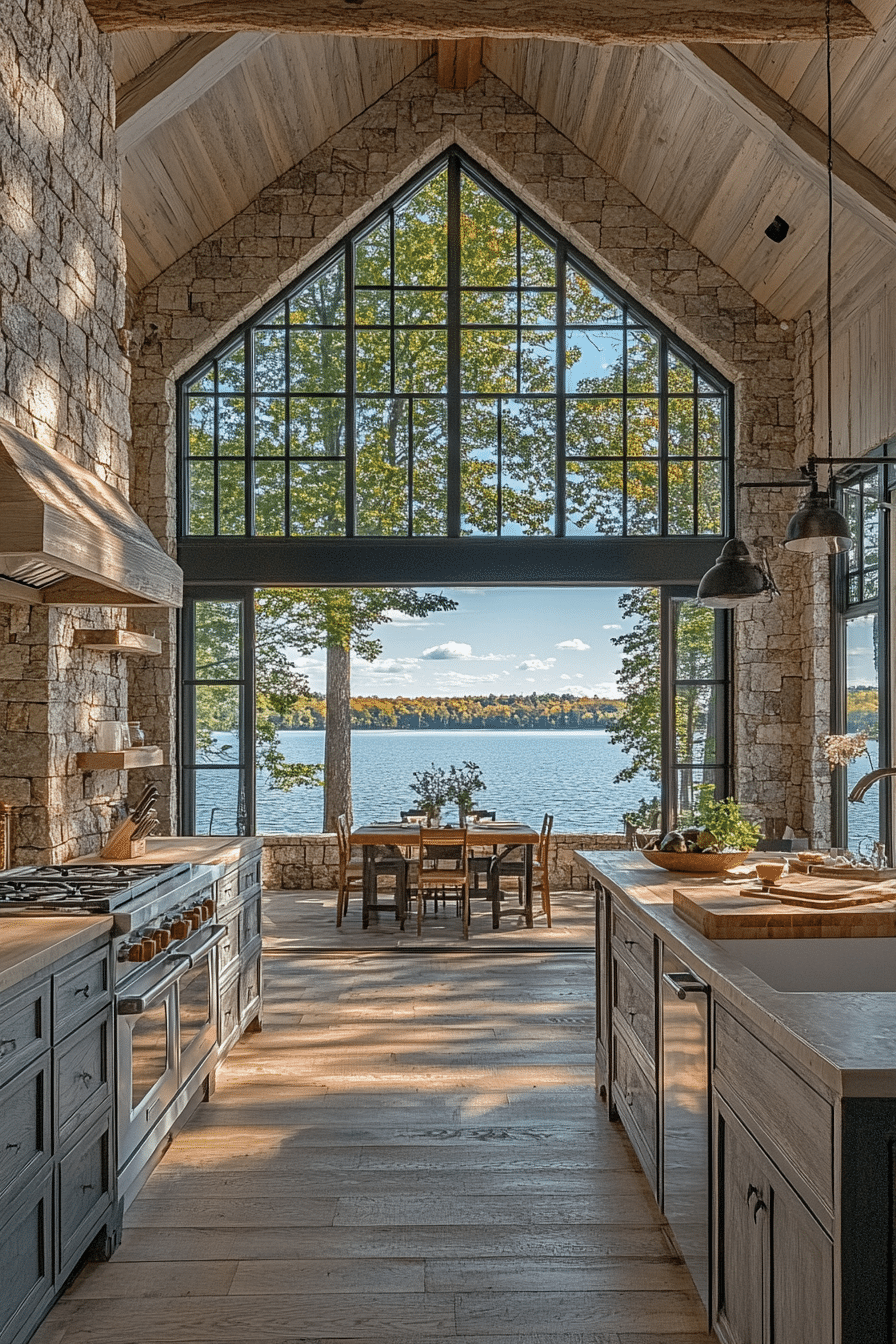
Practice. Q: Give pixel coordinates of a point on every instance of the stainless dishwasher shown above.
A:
(686, 1143)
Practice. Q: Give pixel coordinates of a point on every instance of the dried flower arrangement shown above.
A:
(843, 748)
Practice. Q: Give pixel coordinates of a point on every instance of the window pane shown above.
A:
(680, 375)
(709, 427)
(217, 724)
(232, 498)
(594, 428)
(643, 359)
(594, 498)
(488, 361)
(218, 633)
(373, 307)
(681, 427)
(863, 714)
(537, 308)
(421, 360)
(421, 236)
(643, 426)
(205, 382)
(696, 724)
(270, 360)
(270, 426)
(316, 360)
(382, 473)
(231, 426)
(538, 362)
(709, 498)
(488, 307)
(317, 426)
(270, 499)
(202, 499)
(232, 370)
(585, 303)
(643, 498)
(202, 426)
(322, 302)
(218, 801)
(421, 307)
(430, 425)
(689, 777)
(681, 498)
(373, 361)
(317, 498)
(538, 260)
(488, 238)
(871, 523)
(479, 468)
(594, 361)
(373, 257)
(528, 438)
(694, 634)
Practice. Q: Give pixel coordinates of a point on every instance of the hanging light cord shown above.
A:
(827, 30)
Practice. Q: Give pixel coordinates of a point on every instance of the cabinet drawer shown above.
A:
(633, 941)
(250, 876)
(229, 946)
(26, 1260)
(634, 1002)
(250, 985)
(794, 1122)
(83, 1069)
(85, 1191)
(24, 1029)
(250, 922)
(79, 991)
(24, 1126)
(229, 1020)
(635, 1099)
(227, 890)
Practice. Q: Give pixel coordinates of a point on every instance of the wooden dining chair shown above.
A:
(540, 879)
(351, 871)
(506, 867)
(442, 863)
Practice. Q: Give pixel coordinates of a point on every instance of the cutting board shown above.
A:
(723, 912)
(824, 892)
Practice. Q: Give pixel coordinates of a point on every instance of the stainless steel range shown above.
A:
(164, 938)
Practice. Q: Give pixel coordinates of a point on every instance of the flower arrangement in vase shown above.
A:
(430, 788)
(462, 785)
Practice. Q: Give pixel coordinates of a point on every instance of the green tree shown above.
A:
(341, 621)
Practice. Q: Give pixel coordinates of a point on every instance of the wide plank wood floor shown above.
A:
(412, 1150)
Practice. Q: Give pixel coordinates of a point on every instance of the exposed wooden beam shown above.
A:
(176, 80)
(797, 139)
(459, 64)
(592, 21)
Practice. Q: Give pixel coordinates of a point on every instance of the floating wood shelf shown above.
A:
(118, 641)
(133, 758)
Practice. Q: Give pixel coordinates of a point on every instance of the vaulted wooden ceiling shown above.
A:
(716, 139)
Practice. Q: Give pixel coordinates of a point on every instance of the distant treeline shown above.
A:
(862, 710)
(465, 711)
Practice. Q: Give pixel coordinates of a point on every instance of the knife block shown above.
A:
(121, 844)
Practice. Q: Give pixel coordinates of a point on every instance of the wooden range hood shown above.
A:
(67, 538)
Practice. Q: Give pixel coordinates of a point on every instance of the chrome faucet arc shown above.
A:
(861, 787)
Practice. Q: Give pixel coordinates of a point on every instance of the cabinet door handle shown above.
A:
(85, 990)
(86, 1078)
(759, 1207)
(753, 1190)
(6, 1047)
(14, 1146)
(84, 1188)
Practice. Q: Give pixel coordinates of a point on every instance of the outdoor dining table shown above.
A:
(502, 835)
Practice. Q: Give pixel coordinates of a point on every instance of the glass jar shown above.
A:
(137, 735)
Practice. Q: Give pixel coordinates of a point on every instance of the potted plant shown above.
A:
(430, 788)
(462, 785)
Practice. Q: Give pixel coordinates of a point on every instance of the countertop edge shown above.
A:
(33, 943)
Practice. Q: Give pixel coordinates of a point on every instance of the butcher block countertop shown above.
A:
(847, 1040)
(206, 849)
(31, 943)
(723, 912)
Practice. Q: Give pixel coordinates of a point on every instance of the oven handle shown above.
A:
(132, 1006)
(216, 933)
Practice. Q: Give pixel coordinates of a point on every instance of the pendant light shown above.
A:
(735, 578)
(817, 527)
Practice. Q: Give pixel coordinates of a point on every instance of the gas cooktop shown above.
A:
(83, 889)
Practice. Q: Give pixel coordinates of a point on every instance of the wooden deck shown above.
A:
(412, 1150)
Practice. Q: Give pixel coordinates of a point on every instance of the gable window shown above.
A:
(454, 368)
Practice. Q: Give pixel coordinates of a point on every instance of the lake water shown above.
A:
(527, 773)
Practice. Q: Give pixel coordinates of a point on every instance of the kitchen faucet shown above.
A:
(861, 787)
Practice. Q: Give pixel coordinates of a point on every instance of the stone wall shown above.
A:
(311, 862)
(223, 282)
(65, 380)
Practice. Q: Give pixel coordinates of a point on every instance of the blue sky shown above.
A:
(502, 641)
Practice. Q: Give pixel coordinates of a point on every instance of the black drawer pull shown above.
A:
(630, 942)
(84, 1188)
(15, 1146)
(85, 990)
(86, 1078)
(6, 1047)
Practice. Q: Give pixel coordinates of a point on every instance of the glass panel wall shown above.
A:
(697, 736)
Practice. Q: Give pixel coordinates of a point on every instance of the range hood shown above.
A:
(68, 538)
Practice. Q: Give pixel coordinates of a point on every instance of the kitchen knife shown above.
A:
(144, 803)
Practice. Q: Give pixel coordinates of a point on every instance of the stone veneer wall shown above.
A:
(311, 862)
(292, 223)
(65, 380)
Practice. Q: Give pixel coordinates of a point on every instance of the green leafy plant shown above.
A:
(646, 815)
(464, 784)
(430, 788)
(724, 820)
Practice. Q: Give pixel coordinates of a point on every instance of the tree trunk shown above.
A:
(338, 739)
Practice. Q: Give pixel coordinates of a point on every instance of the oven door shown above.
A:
(147, 1051)
(197, 994)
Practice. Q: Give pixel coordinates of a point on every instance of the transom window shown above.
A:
(454, 368)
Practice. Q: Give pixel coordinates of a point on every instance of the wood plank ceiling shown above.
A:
(715, 165)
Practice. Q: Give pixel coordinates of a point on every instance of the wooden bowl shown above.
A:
(695, 863)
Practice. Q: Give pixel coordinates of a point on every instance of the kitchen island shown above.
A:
(773, 1124)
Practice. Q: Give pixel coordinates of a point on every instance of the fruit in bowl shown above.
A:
(695, 861)
(719, 838)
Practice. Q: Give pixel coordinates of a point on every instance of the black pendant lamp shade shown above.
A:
(817, 528)
(733, 579)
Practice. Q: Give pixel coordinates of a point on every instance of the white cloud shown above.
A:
(612, 627)
(448, 679)
(452, 649)
(411, 622)
(536, 665)
(604, 689)
(576, 644)
(392, 665)
(565, 677)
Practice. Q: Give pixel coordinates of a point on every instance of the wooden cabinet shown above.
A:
(775, 1263)
(630, 967)
(238, 904)
(57, 1170)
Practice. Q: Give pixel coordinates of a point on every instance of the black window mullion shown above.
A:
(410, 425)
(663, 445)
(560, 400)
(247, 726)
(499, 497)
(249, 432)
(454, 417)
(350, 389)
(625, 423)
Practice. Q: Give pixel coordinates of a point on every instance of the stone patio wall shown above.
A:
(310, 862)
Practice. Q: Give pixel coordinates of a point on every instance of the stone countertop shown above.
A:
(30, 944)
(847, 1040)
